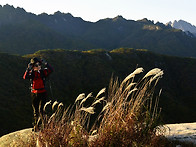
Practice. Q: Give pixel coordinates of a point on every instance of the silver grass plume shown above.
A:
(106, 106)
(129, 86)
(130, 92)
(101, 92)
(89, 110)
(54, 104)
(48, 103)
(60, 105)
(137, 71)
(158, 75)
(152, 72)
(98, 101)
(88, 96)
(80, 96)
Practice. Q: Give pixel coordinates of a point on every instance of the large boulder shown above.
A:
(22, 138)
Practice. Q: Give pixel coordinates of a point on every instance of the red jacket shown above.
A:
(37, 78)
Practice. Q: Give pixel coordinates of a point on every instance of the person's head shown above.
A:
(37, 66)
(36, 63)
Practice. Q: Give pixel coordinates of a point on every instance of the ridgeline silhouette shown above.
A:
(23, 33)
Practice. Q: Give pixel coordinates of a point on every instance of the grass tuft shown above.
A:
(129, 116)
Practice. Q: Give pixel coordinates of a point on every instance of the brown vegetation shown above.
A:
(129, 116)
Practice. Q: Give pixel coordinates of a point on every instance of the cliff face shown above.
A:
(184, 26)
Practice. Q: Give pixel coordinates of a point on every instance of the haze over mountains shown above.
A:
(24, 33)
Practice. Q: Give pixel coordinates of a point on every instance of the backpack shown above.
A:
(43, 77)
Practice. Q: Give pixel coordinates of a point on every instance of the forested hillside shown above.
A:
(78, 72)
(23, 33)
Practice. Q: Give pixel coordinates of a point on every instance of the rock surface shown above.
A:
(22, 138)
(185, 132)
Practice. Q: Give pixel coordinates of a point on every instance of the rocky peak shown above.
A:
(119, 18)
(184, 26)
(146, 21)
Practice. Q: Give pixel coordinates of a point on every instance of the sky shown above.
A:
(94, 10)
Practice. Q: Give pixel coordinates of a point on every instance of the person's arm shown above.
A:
(27, 74)
(48, 70)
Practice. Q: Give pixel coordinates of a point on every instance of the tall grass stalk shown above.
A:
(129, 116)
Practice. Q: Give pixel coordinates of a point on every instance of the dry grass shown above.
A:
(129, 116)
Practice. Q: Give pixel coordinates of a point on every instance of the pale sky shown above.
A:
(94, 10)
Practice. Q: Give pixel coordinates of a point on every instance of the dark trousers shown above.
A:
(38, 102)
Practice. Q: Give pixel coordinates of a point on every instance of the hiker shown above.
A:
(37, 77)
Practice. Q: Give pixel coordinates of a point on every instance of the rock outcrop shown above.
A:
(22, 138)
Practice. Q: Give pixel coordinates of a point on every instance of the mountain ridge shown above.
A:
(69, 32)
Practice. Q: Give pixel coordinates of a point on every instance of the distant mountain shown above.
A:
(65, 23)
(184, 26)
(23, 33)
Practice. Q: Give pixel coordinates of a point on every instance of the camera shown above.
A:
(30, 66)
